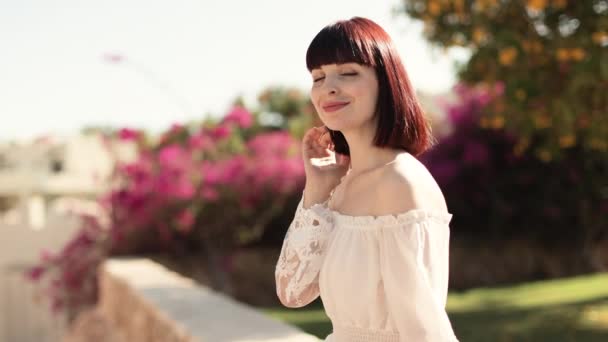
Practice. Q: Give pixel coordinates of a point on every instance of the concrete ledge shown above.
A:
(143, 301)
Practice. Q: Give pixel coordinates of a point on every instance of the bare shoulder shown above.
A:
(408, 185)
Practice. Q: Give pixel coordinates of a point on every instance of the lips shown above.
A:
(334, 106)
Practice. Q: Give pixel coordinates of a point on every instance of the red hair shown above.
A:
(401, 121)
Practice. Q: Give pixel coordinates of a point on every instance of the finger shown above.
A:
(317, 140)
(314, 133)
(320, 137)
(319, 148)
(326, 139)
(309, 136)
(314, 149)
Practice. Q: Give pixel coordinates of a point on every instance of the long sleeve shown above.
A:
(414, 264)
(298, 266)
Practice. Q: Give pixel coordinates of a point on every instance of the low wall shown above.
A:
(141, 300)
(24, 314)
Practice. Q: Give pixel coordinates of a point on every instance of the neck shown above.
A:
(364, 156)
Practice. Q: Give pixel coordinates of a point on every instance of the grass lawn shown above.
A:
(570, 309)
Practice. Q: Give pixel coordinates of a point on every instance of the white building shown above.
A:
(33, 174)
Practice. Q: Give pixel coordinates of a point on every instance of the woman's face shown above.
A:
(345, 95)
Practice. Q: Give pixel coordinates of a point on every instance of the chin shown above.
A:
(340, 125)
(334, 126)
(333, 123)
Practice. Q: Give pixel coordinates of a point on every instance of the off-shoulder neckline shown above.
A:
(406, 217)
(402, 218)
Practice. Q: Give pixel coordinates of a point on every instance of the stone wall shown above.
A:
(142, 301)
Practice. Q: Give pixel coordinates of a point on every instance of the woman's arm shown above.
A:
(302, 254)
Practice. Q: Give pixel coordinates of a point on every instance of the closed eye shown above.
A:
(349, 74)
(318, 79)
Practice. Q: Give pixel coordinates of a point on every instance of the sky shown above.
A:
(183, 60)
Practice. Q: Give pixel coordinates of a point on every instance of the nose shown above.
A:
(330, 87)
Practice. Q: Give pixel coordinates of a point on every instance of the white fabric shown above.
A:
(381, 278)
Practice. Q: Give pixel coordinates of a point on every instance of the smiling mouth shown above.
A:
(335, 107)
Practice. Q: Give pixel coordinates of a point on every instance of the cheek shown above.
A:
(314, 96)
(367, 97)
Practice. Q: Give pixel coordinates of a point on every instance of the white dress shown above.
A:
(381, 278)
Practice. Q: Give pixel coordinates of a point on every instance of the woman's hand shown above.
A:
(321, 179)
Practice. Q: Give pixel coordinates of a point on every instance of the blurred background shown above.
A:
(170, 132)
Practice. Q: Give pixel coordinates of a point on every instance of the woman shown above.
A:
(371, 232)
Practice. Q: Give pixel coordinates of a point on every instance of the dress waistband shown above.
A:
(354, 334)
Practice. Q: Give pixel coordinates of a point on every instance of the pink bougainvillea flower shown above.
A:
(184, 190)
(127, 134)
(274, 143)
(233, 169)
(220, 132)
(185, 221)
(200, 141)
(211, 172)
(36, 272)
(114, 58)
(240, 116)
(210, 194)
(172, 156)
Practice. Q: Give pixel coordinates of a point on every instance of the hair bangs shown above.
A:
(339, 43)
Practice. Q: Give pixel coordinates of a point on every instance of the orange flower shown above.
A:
(562, 54)
(532, 46)
(567, 140)
(506, 56)
(479, 35)
(537, 5)
(544, 155)
(459, 6)
(577, 54)
(434, 8)
(600, 38)
(498, 122)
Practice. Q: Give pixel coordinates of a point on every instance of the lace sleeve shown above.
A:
(297, 270)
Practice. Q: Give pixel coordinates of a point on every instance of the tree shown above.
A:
(550, 55)
(288, 108)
